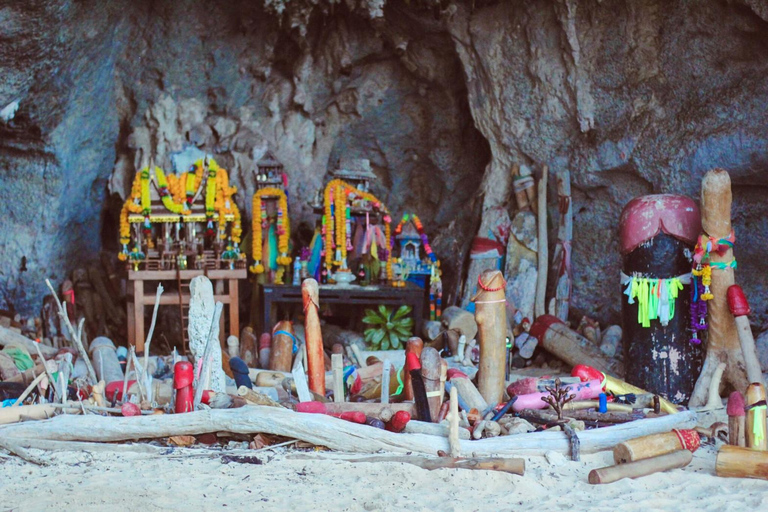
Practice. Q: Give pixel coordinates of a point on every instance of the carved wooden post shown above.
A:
(561, 260)
(723, 338)
(282, 347)
(657, 235)
(314, 338)
(491, 317)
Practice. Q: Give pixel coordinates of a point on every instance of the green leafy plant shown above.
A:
(388, 329)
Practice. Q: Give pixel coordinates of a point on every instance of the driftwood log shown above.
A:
(435, 429)
(645, 467)
(313, 335)
(723, 338)
(325, 430)
(512, 466)
(657, 444)
(491, 317)
(738, 462)
(9, 337)
(568, 345)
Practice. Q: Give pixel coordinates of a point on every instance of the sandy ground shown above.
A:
(148, 482)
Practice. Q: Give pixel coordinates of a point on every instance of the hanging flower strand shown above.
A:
(283, 228)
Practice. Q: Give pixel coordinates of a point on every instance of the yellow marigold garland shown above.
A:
(284, 231)
(339, 190)
(166, 196)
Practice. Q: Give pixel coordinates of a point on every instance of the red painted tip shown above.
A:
(398, 422)
(130, 409)
(737, 301)
(265, 341)
(586, 373)
(412, 361)
(311, 407)
(736, 404)
(453, 373)
(542, 324)
(524, 386)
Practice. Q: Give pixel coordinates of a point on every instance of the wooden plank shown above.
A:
(186, 275)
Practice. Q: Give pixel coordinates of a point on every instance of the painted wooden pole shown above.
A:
(314, 337)
(337, 366)
(281, 355)
(723, 338)
(491, 317)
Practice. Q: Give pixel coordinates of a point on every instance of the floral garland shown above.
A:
(225, 205)
(165, 194)
(702, 278)
(420, 228)
(338, 215)
(131, 205)
(283, 230)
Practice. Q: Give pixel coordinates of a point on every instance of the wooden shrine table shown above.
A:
(411, 295)
(138, 300)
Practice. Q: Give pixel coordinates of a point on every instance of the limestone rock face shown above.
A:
(443, 98)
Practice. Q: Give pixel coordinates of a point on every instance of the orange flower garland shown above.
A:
(283, 231)
(340, 191)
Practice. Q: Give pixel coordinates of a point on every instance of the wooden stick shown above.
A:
(76, 334)
(757, 437)
(28, 376)
(453, 424)
(148, 341)
(549, 416)
(313, 336)
(436, 429)
(656, 444)
(543, 253)
(54, 384)
(673, 460)
(9, 337)
(323, 430)
(29, 389)
(337, 365)
(281, 353)
(722, 339)
(21, 452)
(491, 317)
(300, 379)
(739, 462)
(385, 377)
(205, 365)
(511, 466)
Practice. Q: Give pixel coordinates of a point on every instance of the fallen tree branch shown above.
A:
(16, 449)
(323, 430)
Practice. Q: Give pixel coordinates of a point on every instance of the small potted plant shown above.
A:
(388, 329)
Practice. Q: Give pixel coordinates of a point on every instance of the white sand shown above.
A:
(147, 482)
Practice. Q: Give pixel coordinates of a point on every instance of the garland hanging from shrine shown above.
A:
(337, 221)
(260, 222)
(177, 194)
(435, 283)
